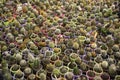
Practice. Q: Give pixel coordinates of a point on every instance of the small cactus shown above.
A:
(51, 44)
(42, 76)
(50, 67)
(75, 45)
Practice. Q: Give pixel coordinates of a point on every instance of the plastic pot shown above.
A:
(39, 72)
(69, 75)
(68, 51)
(98, 59)
(48, 53)
(18, 75)
(57, 50)
(105, 76)
(63, 70)
(90, 74)
(14, 68)
(117, 77)
(31, 77)
(84, 77)
(61, 78)
(66, 60)
(98, 69)
(77, 71)
(54, 58)
(58, 63)
(73, 56)
(72, 65)
(50, 68)
(55, 74)
(27, 71)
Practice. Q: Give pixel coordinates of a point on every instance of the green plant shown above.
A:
(50, 67)
(69, 75)
(31, 77)
(23, 63)
(98, 59)
(81, 39)
(84, 77)
(104, 47)
(97, 78)
(112, 69)
(115, 48)
(58, 63)
(104, 64)
(33, 47)
(77, 71)
(57, 31)
(4, 66)
(78, 60)
(56, 73)
(54, 58)
(93, 45)
(24, 8)
(7, 76)
(65, 59)
(4, 63)
(83, 66)
(90, 73)
(42, 76)
(86, 57)
(36, 63)
(18, 57)
(103, 53)
(48, 53)
(73, 56)
(70, 43)
(4, 48)
(75, 45)
(27, 71)
(72, 65)
(57, 50)
(14, 68)
(105, 76)
(19, 74)
(98, 69)
(61, 78)
(117, 77)
(63, 69)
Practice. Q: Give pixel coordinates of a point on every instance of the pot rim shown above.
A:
(91, 77)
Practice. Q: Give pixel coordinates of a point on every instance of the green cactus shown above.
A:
(36, 63)
(75, 45)
(42, 76)
(76, 71)
(56, 73)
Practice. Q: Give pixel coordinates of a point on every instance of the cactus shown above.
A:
(75, 45)
(36, 63)
(69, 75)
(64, 69)
(27, 71)
(31, 77)
(23, 63)
(19, 74)
(42, 76)
(50, 67)
(56, 73)
(58, 63)
(104, 64)
(76, 71)
(7, 76)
